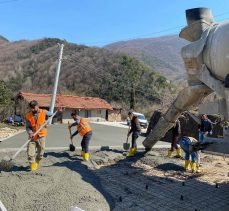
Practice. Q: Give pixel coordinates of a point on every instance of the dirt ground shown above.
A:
(110, 181)
(6, 131)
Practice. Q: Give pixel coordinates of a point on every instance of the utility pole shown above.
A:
(53, 100)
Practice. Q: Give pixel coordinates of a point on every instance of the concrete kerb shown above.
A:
(91, 148)
(4, 139)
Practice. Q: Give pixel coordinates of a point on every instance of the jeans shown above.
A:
(135, 135)
(85, 141)
(185, 143)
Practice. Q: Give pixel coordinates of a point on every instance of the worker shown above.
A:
(186, 144)
(84, 129)
(176, 131)
(135, 129)
(205, 127)
(36, 147)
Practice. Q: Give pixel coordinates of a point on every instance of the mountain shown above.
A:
(85, 71)
(162, 54)
(3, 40)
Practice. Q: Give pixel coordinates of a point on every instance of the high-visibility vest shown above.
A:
(36, 124)
(83, 127)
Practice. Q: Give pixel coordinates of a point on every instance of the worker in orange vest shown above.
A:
(84, 129)
(34, 120)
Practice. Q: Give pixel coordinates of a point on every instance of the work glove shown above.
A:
(31, 136)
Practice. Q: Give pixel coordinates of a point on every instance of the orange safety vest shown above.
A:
(83, 127)
(35, 125)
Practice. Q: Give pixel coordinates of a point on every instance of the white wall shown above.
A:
(96, 115)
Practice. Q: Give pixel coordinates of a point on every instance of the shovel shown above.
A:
(126, 145)
(7, 163)
(71, 146)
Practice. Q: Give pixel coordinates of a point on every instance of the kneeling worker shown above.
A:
(34, 120)
(135, 130)
(84, 129)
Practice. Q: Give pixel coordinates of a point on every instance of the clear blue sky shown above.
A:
(98, 22)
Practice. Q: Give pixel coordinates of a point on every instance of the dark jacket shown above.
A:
(206, 126)
(135, 125)
(176, 130)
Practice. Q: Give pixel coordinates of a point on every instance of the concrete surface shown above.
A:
(110, 181)
(63, 181)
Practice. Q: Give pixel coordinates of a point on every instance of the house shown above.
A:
(92, 108)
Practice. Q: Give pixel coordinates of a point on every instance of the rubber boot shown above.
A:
(33, 166)
(82, 153)
(38, 161)
(179, 152)
(86, 156)
(131, 152)
(193, 167)
(169, 153)
(135, 150)
(186, 165)
(198, 169)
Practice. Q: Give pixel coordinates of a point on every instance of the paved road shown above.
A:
(58, 136)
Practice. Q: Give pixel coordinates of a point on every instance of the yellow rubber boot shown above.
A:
(169, 153)
(179, 152)
(38, 161)
(86, 156)
(82, 153)
(135, 150)
(131, 152)
(193, 167)
(186, 165)
(33, 166)
(198, 169)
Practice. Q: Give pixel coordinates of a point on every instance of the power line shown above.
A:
(153, 33)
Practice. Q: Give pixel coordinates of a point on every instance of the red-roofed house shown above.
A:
(93, 108)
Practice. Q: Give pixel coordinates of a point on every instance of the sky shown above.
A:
(99, 22)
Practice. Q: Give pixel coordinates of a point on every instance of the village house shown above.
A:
(92, 108)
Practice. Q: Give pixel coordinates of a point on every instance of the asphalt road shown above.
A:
(58, 136)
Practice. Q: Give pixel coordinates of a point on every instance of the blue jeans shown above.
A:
(201, 136)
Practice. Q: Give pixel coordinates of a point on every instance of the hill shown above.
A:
(162, 54)
(117, 78)
(3, 39)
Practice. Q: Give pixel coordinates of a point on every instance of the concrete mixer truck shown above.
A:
(206, 60)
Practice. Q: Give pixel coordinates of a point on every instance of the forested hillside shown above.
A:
(117, 78)
(163, 54)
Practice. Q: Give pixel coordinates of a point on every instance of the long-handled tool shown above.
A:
(71, 146)
(126, 145)
(6, 164)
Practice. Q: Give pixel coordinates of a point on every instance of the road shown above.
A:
(58, 136)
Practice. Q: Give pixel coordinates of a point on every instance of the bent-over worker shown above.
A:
(84, 129)
(186, 144)
(36, 147)
(135, 129)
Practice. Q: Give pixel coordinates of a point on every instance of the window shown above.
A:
(87, 113)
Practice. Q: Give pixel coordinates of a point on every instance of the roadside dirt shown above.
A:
(6, 131)
(110, 181)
